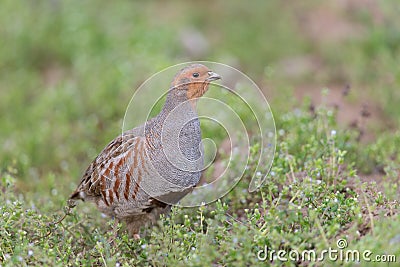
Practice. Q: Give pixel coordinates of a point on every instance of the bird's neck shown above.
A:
(177, 111)
(177, 101)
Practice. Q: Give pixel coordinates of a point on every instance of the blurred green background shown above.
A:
(329, 69)
(69, 68)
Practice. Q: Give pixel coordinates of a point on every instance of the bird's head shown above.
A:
(193, 81)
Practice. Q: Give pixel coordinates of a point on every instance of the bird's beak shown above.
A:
(212, 76)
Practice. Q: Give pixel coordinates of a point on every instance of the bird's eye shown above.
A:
(196, 74)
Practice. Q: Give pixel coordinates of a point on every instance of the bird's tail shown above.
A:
(71, 202)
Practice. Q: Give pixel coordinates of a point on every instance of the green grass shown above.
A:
(68, 70)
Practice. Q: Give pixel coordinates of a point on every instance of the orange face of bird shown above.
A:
(195, 80)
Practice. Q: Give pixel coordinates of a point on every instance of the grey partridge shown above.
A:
(145, 170)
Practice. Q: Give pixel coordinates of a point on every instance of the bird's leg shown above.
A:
(136, 236)
(133, 225)
(115, 230)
